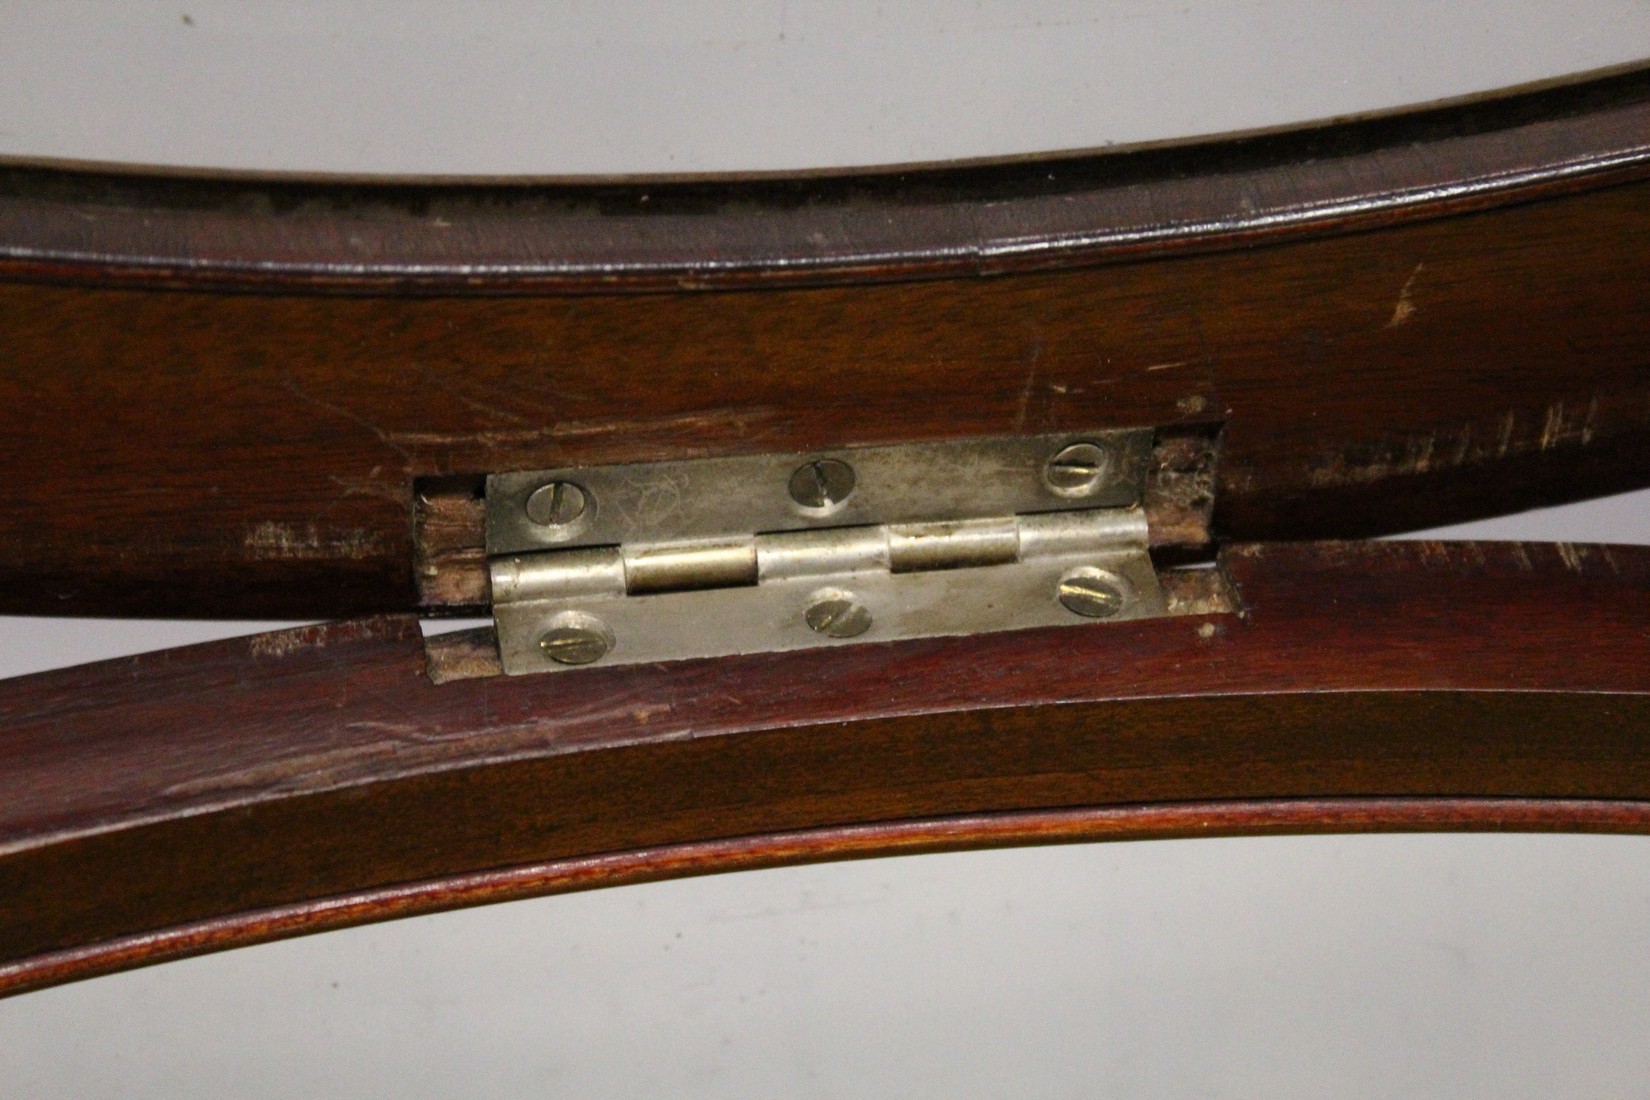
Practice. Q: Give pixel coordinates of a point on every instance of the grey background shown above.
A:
(1366, 966)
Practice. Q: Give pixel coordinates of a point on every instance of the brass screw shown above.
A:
(1077, 470)
(556, 504)
(575, 638)
(838, 615)
(823, 483)
(1092, 593)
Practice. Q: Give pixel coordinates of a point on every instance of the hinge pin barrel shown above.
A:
(681, 567)
(787, 555)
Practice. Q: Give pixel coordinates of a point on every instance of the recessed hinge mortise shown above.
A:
(714, 557)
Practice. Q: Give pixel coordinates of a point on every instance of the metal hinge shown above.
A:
(714, 557)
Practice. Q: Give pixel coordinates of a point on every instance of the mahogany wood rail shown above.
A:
(219, 395)
(304, 780)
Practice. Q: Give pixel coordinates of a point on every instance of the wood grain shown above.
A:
(225, 793)
(219, 396)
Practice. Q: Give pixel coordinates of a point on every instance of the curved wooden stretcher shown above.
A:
(273, 397)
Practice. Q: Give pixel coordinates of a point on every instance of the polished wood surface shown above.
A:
(121, 226)
(223, 397)
(205, 797)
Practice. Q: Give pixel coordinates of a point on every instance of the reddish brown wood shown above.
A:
(1153, 822)
(122, 227)
(226, 793)
(1399, 322)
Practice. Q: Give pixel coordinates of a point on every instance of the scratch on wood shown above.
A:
(1404, 310)
(399, 729)
(308, 771)
(270, 541)
(1420, 458)
(1571, 554)
(1559, 427)
(1025, 397)
(281, 643)
(338, 410)
(1508, 422)
(369, 486)
(1563, 424)
(435, 380)
(1414, 454)
(1167, 366)
(1436, 555)
(739, 419)
(1522, 556)
(1463, 447)
(1552, 428)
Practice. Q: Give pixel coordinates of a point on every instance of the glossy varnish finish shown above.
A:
(223, 392)
(306, 779)
(1021, 214)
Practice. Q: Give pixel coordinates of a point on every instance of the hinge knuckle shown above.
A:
(680, 567)
(913, 547)
(1052, 534)
(788, 555)
(519, 578)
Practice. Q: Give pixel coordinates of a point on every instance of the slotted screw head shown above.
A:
(823, 483)
(557, 504)
(575, 638)
(838, 615)
(1092, 593)
(1078, 470)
